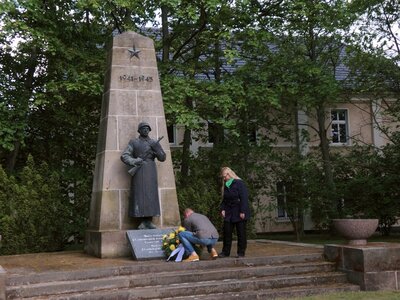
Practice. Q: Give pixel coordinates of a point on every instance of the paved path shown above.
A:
(77, 260)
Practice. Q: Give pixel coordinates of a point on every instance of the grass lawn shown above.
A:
(387, 295)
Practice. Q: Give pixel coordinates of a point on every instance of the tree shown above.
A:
(304, 46)
(375, 61)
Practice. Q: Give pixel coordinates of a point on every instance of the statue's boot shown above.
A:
(143, 225)
(150, 225)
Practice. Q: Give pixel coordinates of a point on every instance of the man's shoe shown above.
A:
(192, 257)
(222, 255)
(213, 253)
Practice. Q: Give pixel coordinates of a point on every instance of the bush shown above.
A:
(34, 211)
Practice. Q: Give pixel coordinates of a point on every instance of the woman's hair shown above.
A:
(231, 173)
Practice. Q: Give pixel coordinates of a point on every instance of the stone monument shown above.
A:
(132, 94)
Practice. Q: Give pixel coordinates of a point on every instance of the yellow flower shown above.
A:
(181, 228)
(172, 247)
(177, 242)
(172, 235)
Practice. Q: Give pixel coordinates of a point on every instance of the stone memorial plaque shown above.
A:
(146, 244)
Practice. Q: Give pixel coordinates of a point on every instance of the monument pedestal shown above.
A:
(132, 94)
(375, 266)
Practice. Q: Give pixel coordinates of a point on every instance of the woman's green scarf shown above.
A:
(229, 182)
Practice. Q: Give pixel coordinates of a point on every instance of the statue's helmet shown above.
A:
(143, 124)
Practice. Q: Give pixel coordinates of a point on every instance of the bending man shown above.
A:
(199, 230)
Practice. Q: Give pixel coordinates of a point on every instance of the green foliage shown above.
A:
(53, 58)
(31, 208)
(202, 193)
(37, 214)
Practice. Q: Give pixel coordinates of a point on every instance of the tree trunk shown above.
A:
(187, 140)
(324, 146)
(27, 94)
(299, 228)
(165, 34)
(332, 204)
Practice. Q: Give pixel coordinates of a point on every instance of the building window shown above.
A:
(171, 130)
(339, 127)
(281, 189)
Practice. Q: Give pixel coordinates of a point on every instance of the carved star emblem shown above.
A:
(134, 52)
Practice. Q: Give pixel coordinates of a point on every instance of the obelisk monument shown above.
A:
(132, 94)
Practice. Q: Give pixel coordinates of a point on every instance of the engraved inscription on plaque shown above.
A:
(146, 244)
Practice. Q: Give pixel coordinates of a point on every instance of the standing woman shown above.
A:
(235, 211)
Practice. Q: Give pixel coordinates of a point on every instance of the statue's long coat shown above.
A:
(143, 198)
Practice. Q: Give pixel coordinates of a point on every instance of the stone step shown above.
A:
(150, 267)
(285, 292)
(247, 278)
(271, 285)
(115, 281)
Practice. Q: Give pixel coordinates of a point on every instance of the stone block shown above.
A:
(377, 281)
(148, 103)
(353, 259)
(110, 216)
(122, 103)
(98, 172)
(373, 266)
(121, 57)
(127, 130)
(94, 214)
(164, 174)
(126, 221)
(107, 137)
(382, 256)
(3, 276)
(115, 173)
(107, 244)
(126, 39)
(125, 78)
(107, 214)
(104, 104)
(169, 208)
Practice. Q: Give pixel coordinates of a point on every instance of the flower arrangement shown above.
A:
(171, 241)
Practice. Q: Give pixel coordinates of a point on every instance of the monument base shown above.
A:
(107, 244)
(375, 266)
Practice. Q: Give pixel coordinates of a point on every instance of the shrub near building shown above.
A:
(33, 212)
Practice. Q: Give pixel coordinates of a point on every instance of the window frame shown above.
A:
(174, 134)
(337, 123)
(281, 193)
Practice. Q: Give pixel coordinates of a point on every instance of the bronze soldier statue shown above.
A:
(140, 155)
